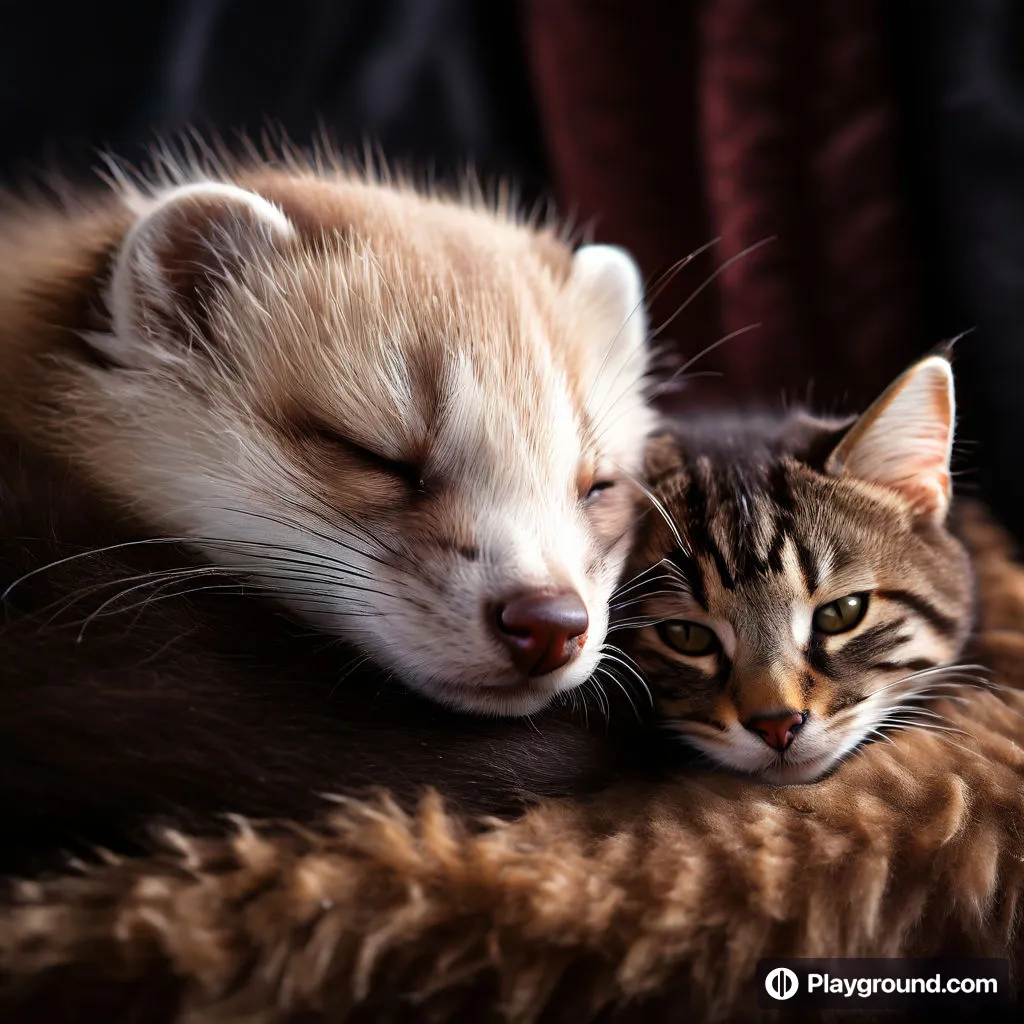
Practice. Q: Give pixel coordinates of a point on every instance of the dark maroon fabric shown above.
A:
(615, 87)
(671, 124)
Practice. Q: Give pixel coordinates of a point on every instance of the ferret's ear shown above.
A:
(905, 440)
(174, 254)
(608, 279)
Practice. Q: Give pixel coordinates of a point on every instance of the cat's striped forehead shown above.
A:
(761, 537)
(748, 523)
(771, 527)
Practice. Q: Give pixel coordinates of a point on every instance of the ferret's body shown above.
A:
(410, 420)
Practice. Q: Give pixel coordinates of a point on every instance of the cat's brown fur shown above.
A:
(657, 901)
(772, 522)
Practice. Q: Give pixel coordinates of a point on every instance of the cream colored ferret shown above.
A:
(411, 419)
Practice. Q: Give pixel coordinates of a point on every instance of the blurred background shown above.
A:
(879, 146)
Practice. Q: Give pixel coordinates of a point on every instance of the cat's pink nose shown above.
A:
(778, 731)
(542, 629)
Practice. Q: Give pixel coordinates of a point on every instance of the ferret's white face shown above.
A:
(413, 423)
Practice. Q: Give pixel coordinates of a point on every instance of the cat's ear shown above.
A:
(663, 456)
(608, 280)
(905, 440)
(812, 439)
(172, 256)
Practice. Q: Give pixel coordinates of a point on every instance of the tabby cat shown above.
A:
(803, 592)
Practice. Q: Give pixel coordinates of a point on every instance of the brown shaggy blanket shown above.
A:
(645, 904)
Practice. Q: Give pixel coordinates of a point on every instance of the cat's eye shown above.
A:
(689, 638)
(841, 615)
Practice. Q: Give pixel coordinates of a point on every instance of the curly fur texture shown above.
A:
(645, 903)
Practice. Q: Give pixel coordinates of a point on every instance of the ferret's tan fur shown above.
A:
(212, 350)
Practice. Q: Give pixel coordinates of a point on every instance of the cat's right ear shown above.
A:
(172, 257)
(905, 440)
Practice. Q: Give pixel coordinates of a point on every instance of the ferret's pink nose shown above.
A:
(542, 629)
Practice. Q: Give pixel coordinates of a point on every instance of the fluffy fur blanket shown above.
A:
(650, 904)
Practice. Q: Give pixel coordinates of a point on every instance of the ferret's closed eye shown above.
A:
(597, 488)
(407, 472)
(689, 638)
(841, 615)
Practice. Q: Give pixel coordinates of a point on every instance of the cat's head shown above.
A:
(808, 584)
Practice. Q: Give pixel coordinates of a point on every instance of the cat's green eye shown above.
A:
(690, 638)
(841, 615)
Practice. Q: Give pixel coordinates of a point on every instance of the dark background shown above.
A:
(882, 145)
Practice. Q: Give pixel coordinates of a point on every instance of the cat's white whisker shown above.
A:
(605, 673)
(658, 506)
(616, 656)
